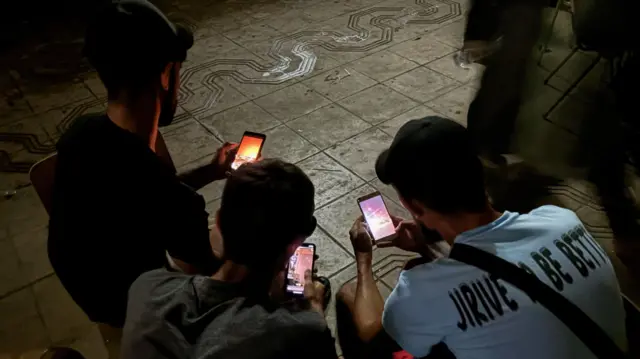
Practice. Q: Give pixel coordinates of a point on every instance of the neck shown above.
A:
(256, 283)
(231, 272)
(139, 117)
(461, 223)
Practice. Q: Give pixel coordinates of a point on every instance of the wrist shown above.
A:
(212, 170)
(364, 260)
(317, 307)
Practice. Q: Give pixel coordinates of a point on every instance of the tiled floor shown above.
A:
(329, 82)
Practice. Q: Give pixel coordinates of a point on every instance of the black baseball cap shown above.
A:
(432, 151)
(134, 35)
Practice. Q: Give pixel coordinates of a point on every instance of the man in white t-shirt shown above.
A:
(439, 301)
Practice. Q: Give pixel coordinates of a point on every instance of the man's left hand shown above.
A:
(360, 238)
(222, 160)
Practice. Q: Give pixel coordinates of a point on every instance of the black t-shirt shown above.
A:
(175, 315)
(116, 209)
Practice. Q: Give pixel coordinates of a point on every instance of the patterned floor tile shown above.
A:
(213, 97)
(291, 20)
(13, 109)
(447, 66)
(383, 65)
(339, 83)
(90, 344)
(328, 125)
(210, 48)
(284, 143)
(377, 104)
(359, 153)
(422, 84)
(61, 315)
(229, 125)
(251, 35)
(392, 126)
(451, 34)
(50, 97)
(330, 179)
(21, 329)
(422, 49)
(11, 275)
(292, 102)
(190, 142)
(455, 104)
(331, 257)
(22, 212)
(31, 250)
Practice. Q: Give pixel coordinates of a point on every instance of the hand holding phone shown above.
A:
(301, 261)
(249, 149)
(377, 217)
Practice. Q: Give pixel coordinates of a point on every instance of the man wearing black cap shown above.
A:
(437, 300)
(118, 207)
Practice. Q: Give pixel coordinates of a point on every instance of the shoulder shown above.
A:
(553, 212)
(158, 282)
(408, 293)
(303, 322)
(81, 127)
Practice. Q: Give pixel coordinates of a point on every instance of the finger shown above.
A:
(361, 224)
(396, 220)
(404, 225)
(385, 244)
(356, 224)
(309, 288)
(319, 288)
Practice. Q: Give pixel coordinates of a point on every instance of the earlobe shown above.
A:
(166, 76)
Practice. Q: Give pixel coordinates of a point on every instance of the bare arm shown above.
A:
(368, 305)
(200, 177)
(214, 171)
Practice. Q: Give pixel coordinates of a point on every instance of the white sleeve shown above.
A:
(412, 325)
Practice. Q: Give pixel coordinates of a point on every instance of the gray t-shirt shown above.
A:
(179, 316)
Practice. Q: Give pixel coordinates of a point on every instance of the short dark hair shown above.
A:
(449, 188)
(265, 206)
(133, 79)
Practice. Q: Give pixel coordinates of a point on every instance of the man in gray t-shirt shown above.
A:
(265, 214)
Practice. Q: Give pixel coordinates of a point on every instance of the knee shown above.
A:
(347, 292)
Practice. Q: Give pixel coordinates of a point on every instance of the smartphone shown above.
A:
(377, 217)
(249, 149)
(301, 261)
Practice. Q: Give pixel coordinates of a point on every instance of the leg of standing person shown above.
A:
(612, 138)
(481, 31)
(482, 21)
(493, 112)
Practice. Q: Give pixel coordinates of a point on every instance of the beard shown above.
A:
(170, 103)
(431, 236)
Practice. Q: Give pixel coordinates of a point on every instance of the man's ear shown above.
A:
(166, 76)
(215, 238)
(416, 208)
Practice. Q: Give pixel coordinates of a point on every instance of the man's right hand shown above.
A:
(409, 237)
(314, 292)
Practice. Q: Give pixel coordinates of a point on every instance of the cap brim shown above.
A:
(185, 36)
(381, 167)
